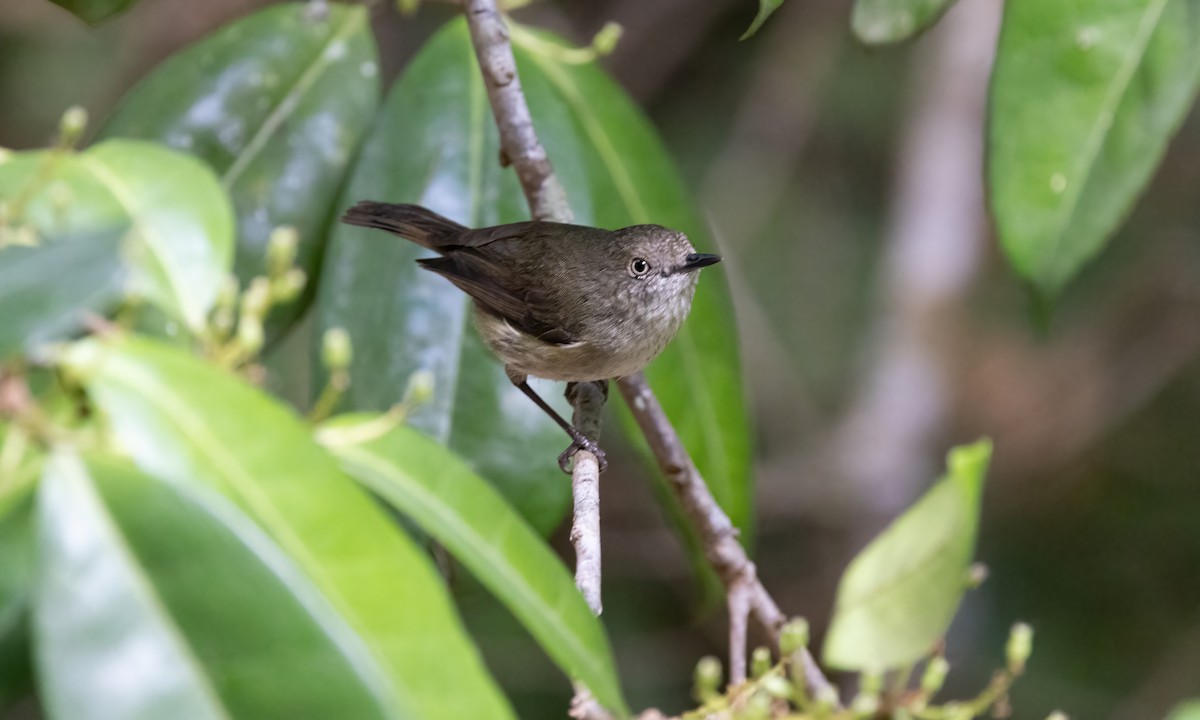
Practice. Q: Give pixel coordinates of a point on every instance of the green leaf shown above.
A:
(1084, 99)
(186, 421)
(435, 143)
(16, 553)
(461, 511)
(46, 290)
(276, 104)
(16, 582)
(617, 173)
(765, 10)
(176, 587)
(1189, 710)
(897, 598)
(181, 238)
(94, 12)
(879, 22)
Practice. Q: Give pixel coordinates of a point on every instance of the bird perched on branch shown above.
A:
(557, 301)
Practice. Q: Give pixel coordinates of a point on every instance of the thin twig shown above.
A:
(547, 201)
(738, 601)
(518, 140)
(717, 533)
(588, 400)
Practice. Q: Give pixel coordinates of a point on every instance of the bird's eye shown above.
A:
(639, 267)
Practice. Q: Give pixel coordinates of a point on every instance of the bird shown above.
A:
(558, 301)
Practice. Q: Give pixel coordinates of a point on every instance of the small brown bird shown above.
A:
(557, 301)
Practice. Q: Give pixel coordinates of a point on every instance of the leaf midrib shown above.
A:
(289, 102)
(1105, 118)
(475, 190)
(152, 241)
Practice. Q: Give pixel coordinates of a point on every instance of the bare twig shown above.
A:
(746, 595)
(519, 144)
(588, 401)
(547, 200)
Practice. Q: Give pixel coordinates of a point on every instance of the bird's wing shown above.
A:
(520, 230)
(497, 290)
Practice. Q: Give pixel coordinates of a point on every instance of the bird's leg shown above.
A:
(586, 417)
(579, 441)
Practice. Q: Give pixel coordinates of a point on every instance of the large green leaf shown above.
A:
(276, 103)
(46, 290)
(181, 225)
(898, 596)
(435, 143)
(438, 492)
(1084, 98)
(94, 12)
(179, 590)
(187, 421)
(877, 22)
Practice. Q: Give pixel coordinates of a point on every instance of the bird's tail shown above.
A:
(422, 226)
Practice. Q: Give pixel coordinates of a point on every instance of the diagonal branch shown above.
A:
(746, 594)
(547, 200)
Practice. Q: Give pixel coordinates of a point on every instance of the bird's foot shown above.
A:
(581, 443)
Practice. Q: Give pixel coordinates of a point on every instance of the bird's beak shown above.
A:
(696, 261)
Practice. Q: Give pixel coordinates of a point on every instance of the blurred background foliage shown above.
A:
(878, 324)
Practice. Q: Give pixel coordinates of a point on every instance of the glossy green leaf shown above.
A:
(95, 12)
(184, 420)
(435, 143)
(878, 22)
(276, 104)
(176, 588)
(765, 9)
(1084, 98)
(439, 493)
(897, 598)
(47, 290)
(617, 173)
(181, 226)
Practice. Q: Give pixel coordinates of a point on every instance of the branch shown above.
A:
(547, 200)
(746, 594)
(588, 401)
(519, 144)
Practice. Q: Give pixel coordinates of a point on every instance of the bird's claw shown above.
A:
(564, 460)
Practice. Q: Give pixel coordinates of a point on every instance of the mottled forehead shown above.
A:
(657, 240)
